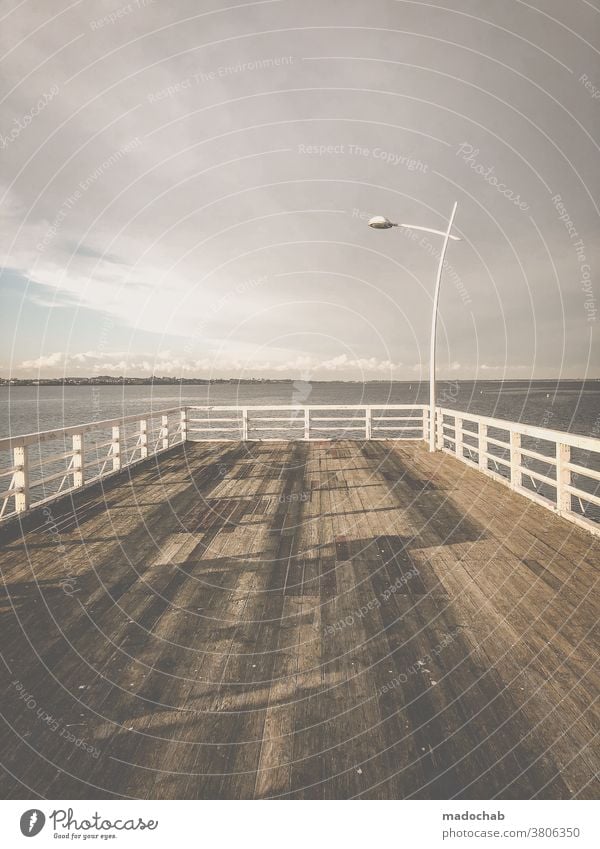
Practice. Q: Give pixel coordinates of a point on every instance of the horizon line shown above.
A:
(150, 378)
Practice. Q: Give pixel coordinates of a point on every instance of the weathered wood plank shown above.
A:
(321, 620)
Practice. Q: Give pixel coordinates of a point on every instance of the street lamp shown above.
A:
(381, 223)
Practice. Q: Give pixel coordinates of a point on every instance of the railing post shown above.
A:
(368, 423)
(439, 442)
(516, 478)
(307, 422)
(143, 438)
(245, 424)
(164, 422)
(482, 447)
(458, 437)
(563, 478)
(78, 460)
(116, 448)
(426, 424)
(21, 479)
(184, 424)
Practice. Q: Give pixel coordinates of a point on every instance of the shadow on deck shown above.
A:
(299, 620)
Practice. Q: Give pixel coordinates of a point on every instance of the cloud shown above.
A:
(215, 364)
(50, 361)
(166, 363)
(526, 367)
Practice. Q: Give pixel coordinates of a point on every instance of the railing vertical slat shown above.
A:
(482, 446)
(165, 431)
(21, 478)
(307, 422)
(426, 424)
(439, 424)
(244, 424)
(116, 448)
(78, 460)
(458, 438)
(184, 424)
(563, 478)
(368, 423)
(143, 438)
(516, 477)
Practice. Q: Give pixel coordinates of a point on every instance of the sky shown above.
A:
(185, 188)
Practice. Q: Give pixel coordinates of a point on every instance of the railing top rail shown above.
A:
(311, 407)
(575, 440)
(44, 435)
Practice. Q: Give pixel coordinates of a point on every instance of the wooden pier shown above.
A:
(344, 619)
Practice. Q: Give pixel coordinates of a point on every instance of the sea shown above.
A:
(572, 406)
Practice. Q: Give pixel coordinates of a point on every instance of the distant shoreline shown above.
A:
(191, 381)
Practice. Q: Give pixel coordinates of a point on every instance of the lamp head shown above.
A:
(381, 223)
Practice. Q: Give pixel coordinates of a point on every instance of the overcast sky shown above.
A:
(185, 187)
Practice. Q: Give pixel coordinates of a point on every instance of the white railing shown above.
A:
(559, 470)
(284, 422)
(556, 469)
(42, 466)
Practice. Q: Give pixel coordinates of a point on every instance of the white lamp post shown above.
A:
(381, 223)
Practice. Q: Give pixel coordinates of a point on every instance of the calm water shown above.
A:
(567, 405)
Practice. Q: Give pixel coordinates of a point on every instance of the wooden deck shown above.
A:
(300, 620)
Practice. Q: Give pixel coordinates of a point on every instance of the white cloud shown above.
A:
(165, 363)
(503, 368)
(44, 362)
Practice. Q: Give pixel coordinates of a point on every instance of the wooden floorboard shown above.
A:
(300, 620)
